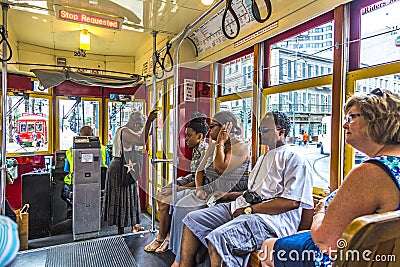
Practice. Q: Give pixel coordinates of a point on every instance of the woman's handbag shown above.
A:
(131, 166)
(23, 226)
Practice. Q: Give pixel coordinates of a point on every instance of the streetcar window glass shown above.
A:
(380, 33)
(242, 109)
(73, 114)
(305, 55)
(237, 75)
(39, 127)
(31, 127)
(27, 119)
(309, 111)
(118, 115)
(23, 127)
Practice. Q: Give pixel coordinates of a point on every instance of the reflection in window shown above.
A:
(242, 109)
(74, 114)
(118, 115)
(311, 116)
(303, 56)
(27, 122)
(382, 21)
(238, 74)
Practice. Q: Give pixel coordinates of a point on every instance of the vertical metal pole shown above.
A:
(4, 105)
(153, 141)
(176, 116)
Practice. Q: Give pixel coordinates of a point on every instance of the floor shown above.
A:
(37, 253)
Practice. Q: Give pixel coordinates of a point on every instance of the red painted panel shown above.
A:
(25, 164)
(19, 82)
(74, 89)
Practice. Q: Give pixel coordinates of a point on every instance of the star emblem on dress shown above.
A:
(130, 166)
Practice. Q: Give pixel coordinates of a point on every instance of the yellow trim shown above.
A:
(298, 85)
(235, 96)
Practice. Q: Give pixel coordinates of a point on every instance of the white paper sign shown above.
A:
(189, 93)
(87, 157)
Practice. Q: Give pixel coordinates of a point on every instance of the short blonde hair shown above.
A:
(381, 113)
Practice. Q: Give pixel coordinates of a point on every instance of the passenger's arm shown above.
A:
(226, 163)
(130, 137)
(366, 189)
(272, 207)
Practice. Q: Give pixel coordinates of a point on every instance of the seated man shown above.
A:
(9, 241)
(280, 186)
(66, 194)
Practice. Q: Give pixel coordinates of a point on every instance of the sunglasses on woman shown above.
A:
(212, 125)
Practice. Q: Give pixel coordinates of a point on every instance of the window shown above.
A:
(73, 115)
(242, 109)
(379, 33)
(118, 115)
(244, 77)
(309, 116)
(300, 51)
(27, 123)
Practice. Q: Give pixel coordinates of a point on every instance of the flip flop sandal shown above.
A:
(150, 248)
(137, 229)
(163, 247)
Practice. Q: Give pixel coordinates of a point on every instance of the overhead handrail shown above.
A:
(159, 63)
(3, 33)
(256, 11)
(168, 54)
(229, 8)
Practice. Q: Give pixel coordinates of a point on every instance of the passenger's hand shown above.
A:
(200, 193)
(320, 207)
(166, 192)
(224, 133)
(238, 212)
(219, 195)
(152, 115)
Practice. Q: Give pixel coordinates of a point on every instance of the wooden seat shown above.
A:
(376, 236)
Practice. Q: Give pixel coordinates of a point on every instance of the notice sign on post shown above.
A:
(189, 92)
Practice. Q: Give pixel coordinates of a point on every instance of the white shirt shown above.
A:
(281, 172)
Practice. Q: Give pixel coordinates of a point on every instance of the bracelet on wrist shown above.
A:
(219, 144)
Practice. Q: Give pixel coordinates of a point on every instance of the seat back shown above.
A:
(371, 240)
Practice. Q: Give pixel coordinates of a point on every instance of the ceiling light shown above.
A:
(207, 2)
(84, 40)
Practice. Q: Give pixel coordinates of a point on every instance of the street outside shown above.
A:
(319, 162)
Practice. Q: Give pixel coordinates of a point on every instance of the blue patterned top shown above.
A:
(391, 165)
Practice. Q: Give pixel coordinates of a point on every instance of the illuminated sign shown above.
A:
(109, 23)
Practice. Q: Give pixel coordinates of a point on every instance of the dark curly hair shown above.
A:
(198, 123)
(281, 121)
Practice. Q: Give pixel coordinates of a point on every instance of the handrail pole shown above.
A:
(153, 141)
(4, 104)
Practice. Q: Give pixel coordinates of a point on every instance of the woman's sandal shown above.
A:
(150, 248)
(163, 247)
